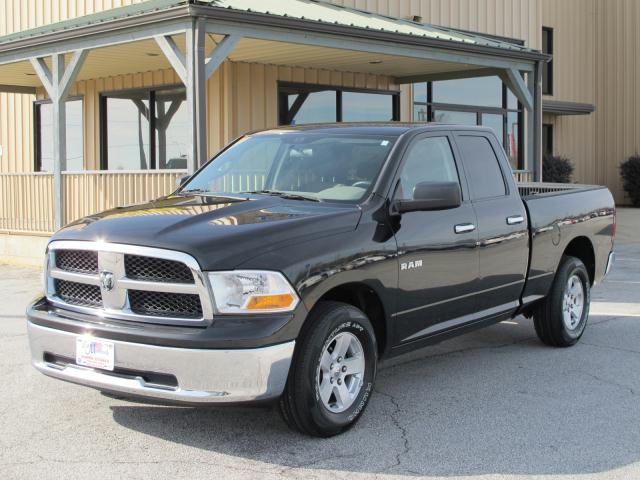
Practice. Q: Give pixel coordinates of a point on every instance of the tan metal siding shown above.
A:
(511, 18)
(618, 98)
(17, 15)
(574, 80)
(16, 127)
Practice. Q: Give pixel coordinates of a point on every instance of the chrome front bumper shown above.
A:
(203, 376)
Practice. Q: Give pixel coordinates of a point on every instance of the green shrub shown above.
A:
(630, 171)
(556, 169)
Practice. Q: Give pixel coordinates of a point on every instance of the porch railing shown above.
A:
(26, 199)
(26, 202)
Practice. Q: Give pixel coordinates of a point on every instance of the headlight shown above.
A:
(252, 291)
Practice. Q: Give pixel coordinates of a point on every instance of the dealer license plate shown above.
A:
(94, 353)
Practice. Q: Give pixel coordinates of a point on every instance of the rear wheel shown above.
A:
(561, 318)
(332, 373)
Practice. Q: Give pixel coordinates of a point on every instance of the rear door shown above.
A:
(438, 268)
(502, 226)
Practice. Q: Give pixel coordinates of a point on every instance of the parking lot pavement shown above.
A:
(493, 404)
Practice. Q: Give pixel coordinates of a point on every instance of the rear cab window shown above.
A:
(482, 167)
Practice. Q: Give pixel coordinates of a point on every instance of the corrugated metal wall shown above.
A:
(511, 18)
(618, 88)
(574, 27)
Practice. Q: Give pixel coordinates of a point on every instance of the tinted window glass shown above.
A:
(428, 160)
(172, 128)
(312, 107)
(482, 168)
(74, 136)
(484, 91)
(458, 118)
(128, 131)
(366, 107)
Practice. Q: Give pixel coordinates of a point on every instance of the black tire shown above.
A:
(300, 403)
(548, 316)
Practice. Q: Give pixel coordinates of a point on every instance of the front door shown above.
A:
(437, 252)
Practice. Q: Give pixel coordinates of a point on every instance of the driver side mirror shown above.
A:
(180, 181)
(429, 196)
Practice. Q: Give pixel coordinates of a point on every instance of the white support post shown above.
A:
(57, 82)
(194, 69)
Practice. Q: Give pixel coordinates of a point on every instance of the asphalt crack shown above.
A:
(403, 431)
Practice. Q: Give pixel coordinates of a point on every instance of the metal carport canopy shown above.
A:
(404, 50)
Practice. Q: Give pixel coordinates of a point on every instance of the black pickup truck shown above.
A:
(295, 260)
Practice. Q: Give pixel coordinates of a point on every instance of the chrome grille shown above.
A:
(78, 293)
(156, 269)
(127, 282)
(175, 304)
(81, 261)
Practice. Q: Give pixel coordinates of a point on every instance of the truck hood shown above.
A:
(220, 233)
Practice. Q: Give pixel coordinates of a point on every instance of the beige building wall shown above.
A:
(617, 88)
(574, 64)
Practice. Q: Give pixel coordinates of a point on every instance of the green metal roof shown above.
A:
(304, 10)
(324, 12)
(148, 6)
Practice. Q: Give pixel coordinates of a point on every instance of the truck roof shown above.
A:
(372, 128)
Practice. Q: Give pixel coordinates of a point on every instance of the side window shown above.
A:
(428, 160)
(482, 167)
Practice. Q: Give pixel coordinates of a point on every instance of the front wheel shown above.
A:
(333, 371)
(561, 318)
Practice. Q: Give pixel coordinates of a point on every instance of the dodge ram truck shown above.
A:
(296, 259)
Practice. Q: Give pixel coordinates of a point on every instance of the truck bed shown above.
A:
(560, 214)
(530, 189)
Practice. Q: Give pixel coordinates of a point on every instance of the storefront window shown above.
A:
(458, 118)
(312, 107)
(366, 107)
(480, 91)
(44, 136)
(473, 101)
(306, 103)
(145, 129)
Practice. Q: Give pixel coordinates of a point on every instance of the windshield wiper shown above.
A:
(288, 196)
(207, 193)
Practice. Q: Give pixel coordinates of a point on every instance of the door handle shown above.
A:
(515, 219)
(464, 228)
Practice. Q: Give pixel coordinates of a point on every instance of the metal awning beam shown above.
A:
(220, 53)
(513, 79)
(453, 75)
(364, 45)
(49, 45)
(17, 89)
(178, 60)
(173, 54)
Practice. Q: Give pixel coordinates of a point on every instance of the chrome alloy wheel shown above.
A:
(573, 303)
(340, 372)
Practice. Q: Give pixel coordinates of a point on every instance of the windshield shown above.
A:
(316, 166)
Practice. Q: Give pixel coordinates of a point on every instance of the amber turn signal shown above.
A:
(270, 302)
